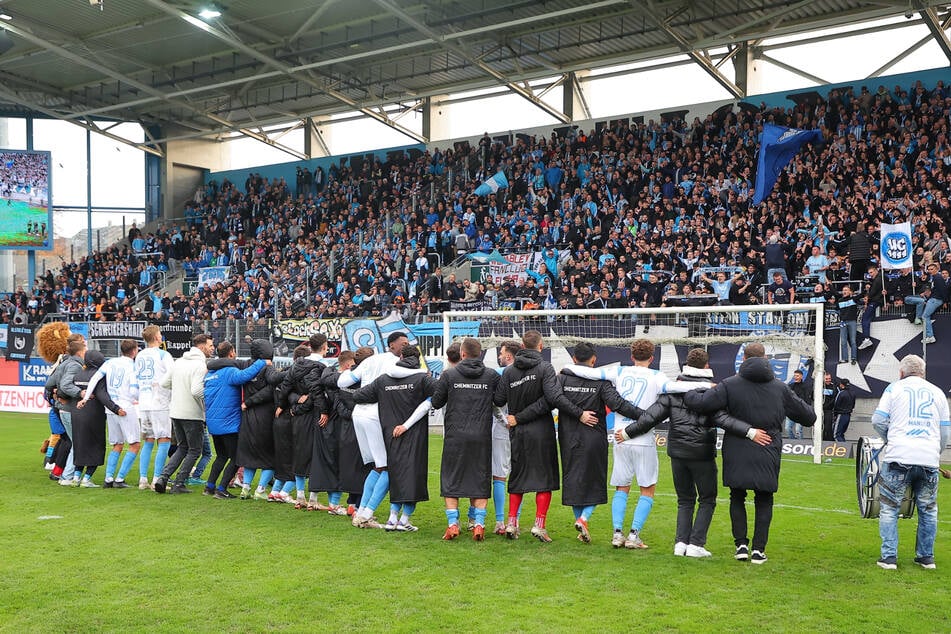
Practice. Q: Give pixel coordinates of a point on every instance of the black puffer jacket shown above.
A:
(303, 377)
(756, 396)
(691, 436)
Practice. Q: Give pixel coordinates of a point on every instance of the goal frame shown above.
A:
(818, 352)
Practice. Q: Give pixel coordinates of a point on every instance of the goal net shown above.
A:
(787, 331)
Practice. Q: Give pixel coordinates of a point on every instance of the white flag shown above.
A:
(896, 246)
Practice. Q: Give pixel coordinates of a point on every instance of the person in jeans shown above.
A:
(187, 411)
(912, 418)
(930, 298)
(848, 324)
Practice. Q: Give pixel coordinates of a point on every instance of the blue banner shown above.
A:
(34, 373)
(778, 147)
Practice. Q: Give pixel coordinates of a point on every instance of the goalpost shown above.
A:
(790, 330)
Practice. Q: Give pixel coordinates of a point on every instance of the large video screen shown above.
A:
(26, 212)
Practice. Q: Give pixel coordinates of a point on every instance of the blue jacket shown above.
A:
(223, 394)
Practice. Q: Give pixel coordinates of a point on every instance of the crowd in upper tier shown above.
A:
(624, 215)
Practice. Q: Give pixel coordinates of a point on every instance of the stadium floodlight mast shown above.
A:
(793, 327)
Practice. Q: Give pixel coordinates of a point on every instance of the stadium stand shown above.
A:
(624, 215)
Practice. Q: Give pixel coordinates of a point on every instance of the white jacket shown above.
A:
(187, 382)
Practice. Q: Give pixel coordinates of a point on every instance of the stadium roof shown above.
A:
(261, 63)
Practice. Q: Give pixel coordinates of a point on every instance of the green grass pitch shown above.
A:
(130, 561)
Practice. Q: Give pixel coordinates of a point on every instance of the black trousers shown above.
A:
(226, 452)
(763, 505)
(190, 435)
(693, 480)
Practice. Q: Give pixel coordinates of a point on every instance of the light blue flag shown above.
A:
(492, 185)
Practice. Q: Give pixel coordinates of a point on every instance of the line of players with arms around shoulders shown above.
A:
(356, 429)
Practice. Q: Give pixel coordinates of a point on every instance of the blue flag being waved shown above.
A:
(777, 148)
(492, 184)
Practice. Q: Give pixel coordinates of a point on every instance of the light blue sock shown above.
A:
(587, 511)
(145, 458)
(79, 472)
(300, 483)
(249, 476)
(452, 516)
(470, 514)
(266, 476)
(577, 511)
(498, 499)
(111, 463)
(278, 484)
(288, 487)
(379, 491)
(641, 511)
(161, 457)
(335, 498)
(408, 509)
(618, 509)
(368, 485)
(126, 464)
(49, 452)
(395, 509)
(480, 517)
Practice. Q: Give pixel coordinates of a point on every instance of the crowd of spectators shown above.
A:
(624, 215)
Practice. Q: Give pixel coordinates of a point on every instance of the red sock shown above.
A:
(542, 502)
(57, 471)
(515, 503)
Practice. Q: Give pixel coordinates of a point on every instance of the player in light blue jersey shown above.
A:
(151, 366)
(912, 418)
(123, 428)
(634, 459)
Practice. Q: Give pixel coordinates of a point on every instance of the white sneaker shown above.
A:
(634, 541)
(618, 540)
(69, 482)
(697, 551)
(88, 484)
(928, 340)
(865, 344)
(680, 549)
(143, 484)
(49, 466)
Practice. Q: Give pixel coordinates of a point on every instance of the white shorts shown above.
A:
(501, 451)
(636, 463)
(366, 425)
(123, 429)
(155, 423)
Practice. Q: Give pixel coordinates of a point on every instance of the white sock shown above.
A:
(393, 517)
(261, 489)
(404, 519)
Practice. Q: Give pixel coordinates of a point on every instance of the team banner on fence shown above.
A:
(177, 337)
(512, 267)
(19, 343)
(297, 330)
(115, 329)
(896, 246)
(213, 274)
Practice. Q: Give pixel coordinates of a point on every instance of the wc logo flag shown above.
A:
(896, 246)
